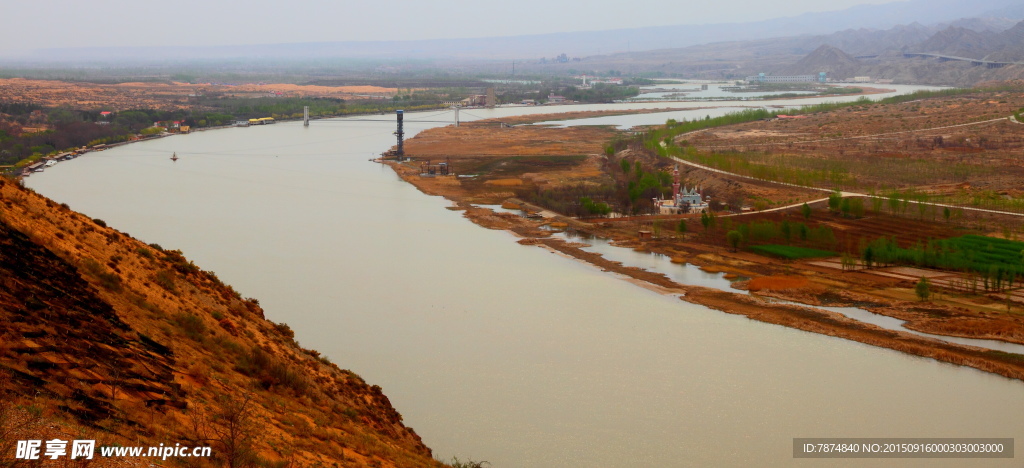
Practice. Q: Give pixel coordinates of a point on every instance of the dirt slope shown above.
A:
(105, 337)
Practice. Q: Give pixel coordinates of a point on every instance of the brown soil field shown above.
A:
(485, 139)
(573, 115)
(800, 281)
(777, 282)
(940, 145)
(168, 96)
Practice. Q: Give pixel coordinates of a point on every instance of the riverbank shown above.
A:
(485, 346)
(944, 317)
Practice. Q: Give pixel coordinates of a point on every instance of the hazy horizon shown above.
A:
(189, 23)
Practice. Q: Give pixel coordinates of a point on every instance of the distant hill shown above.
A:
(865, 41)
(997, 24)
(998, 44)
(109, 339)
(838, 64)
(1011, 45)
(960, 42)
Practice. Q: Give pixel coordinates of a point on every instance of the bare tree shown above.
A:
(234, 427)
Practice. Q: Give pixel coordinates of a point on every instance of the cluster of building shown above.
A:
(174, 126)
(51, 161)
(561, 58)
(590, 81)
(490, 99)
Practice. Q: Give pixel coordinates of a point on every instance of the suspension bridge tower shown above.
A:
(400, 133)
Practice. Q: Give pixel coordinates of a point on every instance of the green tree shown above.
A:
(734, 238)
(946, 213)
(834, 200)
(857, 207)
(806, 211)
(923, 289)
(62, 116)
(894, 203)
(705, 220)
(681, 227)
(868, 255)
(624, 164)
(848, 262)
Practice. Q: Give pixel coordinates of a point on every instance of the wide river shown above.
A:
(501, 352)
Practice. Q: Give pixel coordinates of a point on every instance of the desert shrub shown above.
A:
(285, 330)
(107, 279)
(165, 279)
(269, 372)
(180, 263)
(191, 325)
(456, 463)
(199, 373)
(110, 281)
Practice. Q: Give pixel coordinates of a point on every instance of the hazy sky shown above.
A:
(33, 24)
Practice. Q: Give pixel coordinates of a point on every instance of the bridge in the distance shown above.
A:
(951, 58)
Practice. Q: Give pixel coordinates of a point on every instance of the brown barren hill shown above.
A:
(106, 338)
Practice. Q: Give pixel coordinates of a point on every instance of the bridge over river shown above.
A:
(951, 58)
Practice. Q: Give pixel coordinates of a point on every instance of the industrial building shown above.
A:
(764, 78)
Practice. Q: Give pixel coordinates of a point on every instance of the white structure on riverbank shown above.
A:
(683, 200)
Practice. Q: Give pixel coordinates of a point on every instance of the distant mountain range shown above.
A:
(1005, 46)
(581, 44)
(877, 53)
(867, 40)
(884, 54)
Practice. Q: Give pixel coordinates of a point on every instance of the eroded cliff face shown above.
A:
(105, 337)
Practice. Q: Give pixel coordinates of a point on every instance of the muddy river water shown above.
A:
(501, 352)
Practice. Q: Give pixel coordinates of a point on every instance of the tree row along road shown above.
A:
(844, 193)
